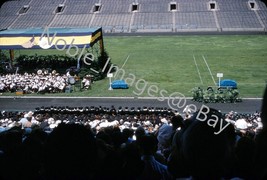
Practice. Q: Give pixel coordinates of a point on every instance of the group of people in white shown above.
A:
(33, 82)
(40, 82)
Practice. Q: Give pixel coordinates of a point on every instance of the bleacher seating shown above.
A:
(154, 7)
(38, 3)
(193, 6)
(78, 9)
(28, 21)
(115, 7)
(233, 5)
(6, 21)
(45, 10)
(195, 20)
(151, 15)
(232, 19)
(111, 20)
(263, 16)
(152, 20)
(72, 20)
(10, 8)
(261, 5)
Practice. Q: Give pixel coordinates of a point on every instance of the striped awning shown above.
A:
(49, 38)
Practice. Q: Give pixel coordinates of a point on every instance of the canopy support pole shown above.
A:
(11, 55)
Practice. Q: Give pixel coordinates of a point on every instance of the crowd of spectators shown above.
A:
(130, 143)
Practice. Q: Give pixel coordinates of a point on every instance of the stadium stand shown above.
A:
(117, 21)
(71, 20)
(153, 6)
(6, 21)
(237, 20)
(148, 21)
(27, 21)
(117, 7)
(10, 8)
(263, 16)
(195, 20)
(79, 7)
(138, 16)
(237, 5)
(192, 6)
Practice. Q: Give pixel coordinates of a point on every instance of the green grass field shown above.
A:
(180, 63)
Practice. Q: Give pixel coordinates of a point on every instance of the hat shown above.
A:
(126, 123)
(147, 123)
(29, 114)
(52, 126)
(104, 124)
(164, 120)
(58, 121)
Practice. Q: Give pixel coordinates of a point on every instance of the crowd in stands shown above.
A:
(131, 143)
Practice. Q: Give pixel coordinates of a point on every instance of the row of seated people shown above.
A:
(40, 82)
(132, 146)
(105, 110)
(97, 117)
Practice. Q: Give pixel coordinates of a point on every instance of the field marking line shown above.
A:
(125, 61)
(209, 69)
(199, 75)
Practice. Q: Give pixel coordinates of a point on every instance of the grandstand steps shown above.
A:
(259, 19)
(217, 22)
(15, 20)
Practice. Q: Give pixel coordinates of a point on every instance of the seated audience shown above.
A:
(108, 143)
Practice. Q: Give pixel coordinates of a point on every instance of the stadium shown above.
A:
(139, 89)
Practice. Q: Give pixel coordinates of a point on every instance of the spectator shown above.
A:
(261, 143)
(204, 154)
(166, 133)
(153, 169)
(195, 151)
(132, 164)
(70, 153)
(245, 153)
(26, 120)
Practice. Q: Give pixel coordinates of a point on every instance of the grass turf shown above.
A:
(169, 64)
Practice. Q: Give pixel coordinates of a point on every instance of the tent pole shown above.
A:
(11, 55)
(101, 44)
